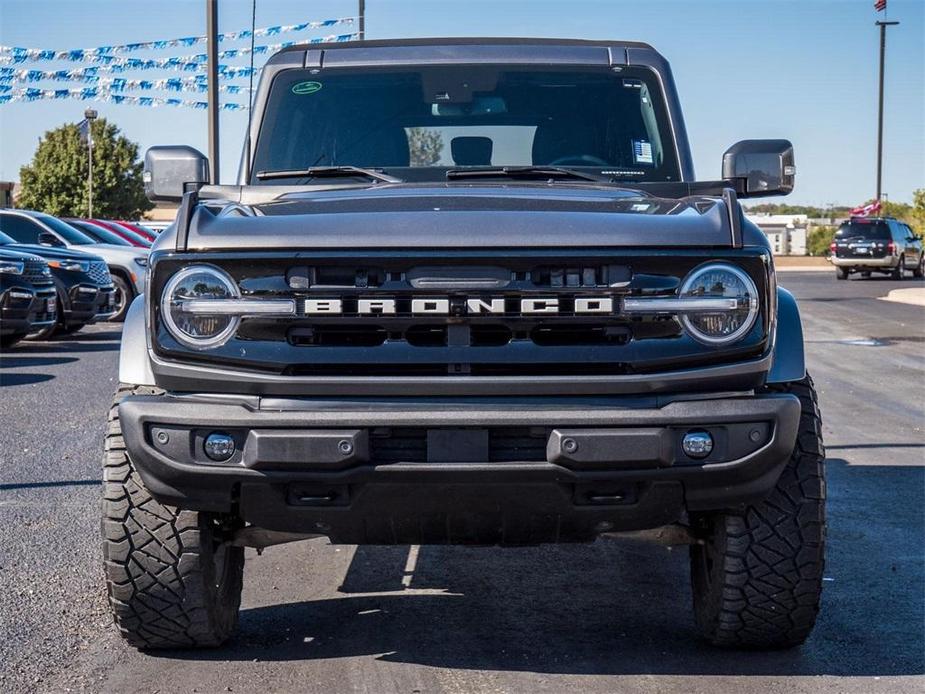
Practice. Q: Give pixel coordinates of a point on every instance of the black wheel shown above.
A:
(172, 580)
(841, 273)
(757, 579)
(123, 297)
(11, 339)
(919, 271)
(897, 273)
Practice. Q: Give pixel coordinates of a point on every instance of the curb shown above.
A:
(914, 296)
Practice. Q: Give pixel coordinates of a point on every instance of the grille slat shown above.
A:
(35, 271)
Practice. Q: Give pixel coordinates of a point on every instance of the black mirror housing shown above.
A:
(172, 170)
(759, 168)
(48, 239)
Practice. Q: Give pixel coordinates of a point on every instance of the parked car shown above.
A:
(130, 236)
(155, 227)
(28, 301)
(126, 264)
(146, 234)
(83, 285)
(98, 233)
(360, 343)
(876, 244)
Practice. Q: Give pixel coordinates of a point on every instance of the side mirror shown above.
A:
(172, 170)
(48, 239)
(757, 168)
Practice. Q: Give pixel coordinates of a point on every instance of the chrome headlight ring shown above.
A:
(171, 304)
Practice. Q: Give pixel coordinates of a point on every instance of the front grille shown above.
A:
(99, 273)
(35, 271)
(376, 315)
(505, 445)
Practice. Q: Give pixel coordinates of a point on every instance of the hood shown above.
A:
(458, 215)
(50, 253)
(119, 255)
(12, 253)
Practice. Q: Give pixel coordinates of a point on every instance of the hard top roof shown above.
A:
(466, 46)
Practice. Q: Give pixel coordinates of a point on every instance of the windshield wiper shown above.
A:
(328, 172)
(524, 172)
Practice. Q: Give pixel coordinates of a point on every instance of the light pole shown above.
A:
(90, 114)
(883, 26)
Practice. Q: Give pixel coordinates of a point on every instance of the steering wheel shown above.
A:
(579, 160)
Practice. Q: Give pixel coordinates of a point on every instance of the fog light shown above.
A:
(219, 446)
(697, 444)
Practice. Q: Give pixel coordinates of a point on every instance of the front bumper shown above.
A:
(861, 262)
(436, 476)
(88, 303)
(24, 310)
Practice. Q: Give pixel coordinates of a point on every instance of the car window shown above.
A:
(65, 230)
(5, 240)
(864, 229)
(21, 229)
(100, 234)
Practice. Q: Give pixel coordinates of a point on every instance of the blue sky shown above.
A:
(801, 69)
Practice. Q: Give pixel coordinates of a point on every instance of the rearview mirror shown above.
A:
(172, 170)
(758, 168)
(48, 239)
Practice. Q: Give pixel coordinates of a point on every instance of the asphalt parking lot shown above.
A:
(612, 616)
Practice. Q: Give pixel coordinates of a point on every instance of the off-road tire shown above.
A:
(897, 273)
(757, 579)
(841, 273)
(170, 583)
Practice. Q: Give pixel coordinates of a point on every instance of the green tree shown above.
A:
(425, 145)
(56, 180)
(917, 216)
(819, 240)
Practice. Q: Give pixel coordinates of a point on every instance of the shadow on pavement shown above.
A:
(46, 485)
(70, 345)
(15, 361)
(11, 379)
(612, 607)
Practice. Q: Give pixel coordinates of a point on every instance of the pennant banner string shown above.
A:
(198, 59)
(121, 84)
(16, 54)
(92, 74)
(97, 95)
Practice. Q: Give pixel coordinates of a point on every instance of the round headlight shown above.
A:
(718, 280)
(198, 330)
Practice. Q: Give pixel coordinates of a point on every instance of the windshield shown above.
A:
(65, 230)
(100, 234)
(864, 230)
(418, 123)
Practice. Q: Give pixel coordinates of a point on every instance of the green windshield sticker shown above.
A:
(306, 87)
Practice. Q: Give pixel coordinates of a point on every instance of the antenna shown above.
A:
(250, 110)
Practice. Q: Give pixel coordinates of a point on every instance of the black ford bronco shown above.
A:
(466, 291)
